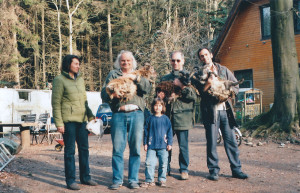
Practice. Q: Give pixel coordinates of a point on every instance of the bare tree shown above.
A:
(43, 46)
(36, 50)
(70, 14)
(99, 55)
(109, 35)
(58, 9)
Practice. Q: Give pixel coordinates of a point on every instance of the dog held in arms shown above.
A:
(168, 88)
(124, 88)
(171, 90)
(219, 89)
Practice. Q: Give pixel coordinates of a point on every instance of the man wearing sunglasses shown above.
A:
(181, 113)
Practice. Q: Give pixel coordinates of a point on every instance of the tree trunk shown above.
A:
(36, 52)
(99, 55)
(285, 63)
(70, 14)
(82, 55)
(109, 37)
(169, 21)
(15, 59)
(89, 63)
(70, 28)
(58, 9)
(149, 19)
(43, 46)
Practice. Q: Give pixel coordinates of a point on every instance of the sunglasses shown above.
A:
(175, 60)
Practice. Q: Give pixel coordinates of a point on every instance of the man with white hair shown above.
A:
(127, 116)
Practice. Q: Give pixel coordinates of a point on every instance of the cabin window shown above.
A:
(247, 75)
(266, 19)
(265, 22)
(24, 96)
(297, 16)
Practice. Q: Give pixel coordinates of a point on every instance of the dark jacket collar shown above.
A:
(176, 72)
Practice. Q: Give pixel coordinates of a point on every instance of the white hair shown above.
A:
(117, 62)
(175, 52)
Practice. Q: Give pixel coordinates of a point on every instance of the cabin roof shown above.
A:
(238, 4)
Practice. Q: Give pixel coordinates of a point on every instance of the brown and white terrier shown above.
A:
(124, 88)
(218, 88)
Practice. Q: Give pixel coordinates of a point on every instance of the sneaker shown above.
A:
(213, 176)
(134, 185)
(240, 175)
(161, 184)
(147, 184)
(90, 182)
(115, 186)
(184, 176)
(73, 186)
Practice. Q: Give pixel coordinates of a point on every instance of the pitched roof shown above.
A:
(238, 4)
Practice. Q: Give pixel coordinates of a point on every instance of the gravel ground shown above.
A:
(272, 168)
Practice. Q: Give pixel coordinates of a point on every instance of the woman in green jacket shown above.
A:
(70, 113)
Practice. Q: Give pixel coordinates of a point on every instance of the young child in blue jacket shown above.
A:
(158, 140)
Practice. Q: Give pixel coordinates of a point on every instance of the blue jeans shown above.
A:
(183, 142)
(76, 132)
(162, 155)
(230, 144)
(134, 123)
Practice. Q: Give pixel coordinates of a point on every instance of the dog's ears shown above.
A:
(184, 78)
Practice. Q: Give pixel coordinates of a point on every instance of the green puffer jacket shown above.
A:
(182, 109)
(69, 102)
(143, 87)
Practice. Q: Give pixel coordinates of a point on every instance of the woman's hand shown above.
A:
(61, 129)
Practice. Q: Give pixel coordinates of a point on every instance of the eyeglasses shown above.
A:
(173, 60)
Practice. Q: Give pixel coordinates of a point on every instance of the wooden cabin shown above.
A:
(244, 46)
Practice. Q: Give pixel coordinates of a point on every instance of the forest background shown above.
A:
(36, 34)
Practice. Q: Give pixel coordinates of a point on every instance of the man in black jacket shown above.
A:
(217, 115)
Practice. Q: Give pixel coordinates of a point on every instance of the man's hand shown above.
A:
(208, 83)
(115, 95)
(177, 82)
(173, 97)
(169, 147)
(61, 129)
(130, 76)
(145, 147)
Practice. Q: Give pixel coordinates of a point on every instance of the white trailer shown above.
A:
(16, 103)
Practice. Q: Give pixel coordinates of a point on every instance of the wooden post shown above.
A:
(25, 137)
(1, 131)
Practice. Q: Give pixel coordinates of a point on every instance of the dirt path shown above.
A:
(271, 169)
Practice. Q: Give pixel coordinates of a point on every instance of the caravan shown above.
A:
(15, 104)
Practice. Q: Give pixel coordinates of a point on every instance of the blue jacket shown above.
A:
(158, 132)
